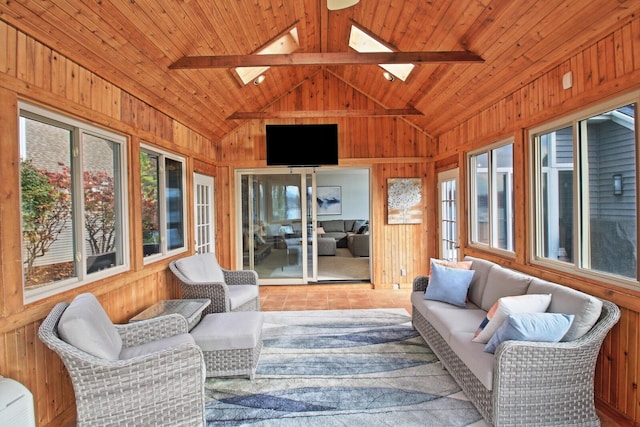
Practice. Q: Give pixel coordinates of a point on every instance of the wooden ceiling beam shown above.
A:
(323, 58)
(248, 115)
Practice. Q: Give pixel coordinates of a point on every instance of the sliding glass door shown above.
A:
(276, 233)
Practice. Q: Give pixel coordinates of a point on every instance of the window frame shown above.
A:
(575, 121)
(492, 169)
(78, 129)
(163, 155)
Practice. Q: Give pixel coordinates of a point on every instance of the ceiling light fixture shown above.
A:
(387, 75)
(340, 4)
(261, 78)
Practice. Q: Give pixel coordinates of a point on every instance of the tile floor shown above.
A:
(332, 297)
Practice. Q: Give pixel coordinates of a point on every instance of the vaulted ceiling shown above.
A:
(133, 43)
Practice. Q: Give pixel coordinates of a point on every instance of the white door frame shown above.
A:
(452, 219)
(203, 212)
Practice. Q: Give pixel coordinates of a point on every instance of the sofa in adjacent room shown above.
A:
(339, 229)
(523, 349)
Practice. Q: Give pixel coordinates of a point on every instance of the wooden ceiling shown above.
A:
(133, 43)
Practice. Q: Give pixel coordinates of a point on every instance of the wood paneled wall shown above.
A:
(603, 70)
(391, 147)
(31, 71)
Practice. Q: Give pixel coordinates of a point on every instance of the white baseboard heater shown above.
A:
(16, 404)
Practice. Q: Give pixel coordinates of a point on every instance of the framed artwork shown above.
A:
(329, 200)
(404, 200)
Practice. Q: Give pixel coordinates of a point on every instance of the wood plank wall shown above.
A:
(391, 147)
(31, 71)
(603, 70)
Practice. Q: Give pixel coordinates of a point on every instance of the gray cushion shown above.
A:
(229, 331)
(156, 346)
(202, 268)
(86, 326)
(473, 355)
(503, 282)
(334, 225)
(447, 319)
(481, 269)
(584, 307)
(241, 294)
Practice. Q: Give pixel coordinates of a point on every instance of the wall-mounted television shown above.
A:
(302, 144)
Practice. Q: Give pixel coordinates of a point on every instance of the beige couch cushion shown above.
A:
(481, 270)
(503, 282)
(584, 307)
(229, 331)
(473, 355)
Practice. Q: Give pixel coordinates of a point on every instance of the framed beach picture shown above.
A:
(329, 200)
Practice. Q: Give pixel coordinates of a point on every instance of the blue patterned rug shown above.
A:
(341, 368)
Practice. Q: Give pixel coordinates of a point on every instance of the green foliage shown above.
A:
(46, 208)
(150, 212)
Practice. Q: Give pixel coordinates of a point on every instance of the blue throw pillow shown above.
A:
(541, 327)
(448, 285)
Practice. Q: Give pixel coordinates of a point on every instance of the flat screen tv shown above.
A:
(302, 145)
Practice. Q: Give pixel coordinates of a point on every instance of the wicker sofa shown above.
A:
(523, 382)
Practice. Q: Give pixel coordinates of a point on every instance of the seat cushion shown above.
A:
(156, 346)
(86, 326)
(242, 294)
(473, 355)
(446, 318)
(229, 331)
(202, 268)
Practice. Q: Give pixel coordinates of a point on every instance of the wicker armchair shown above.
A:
(201, 276)
(162, 387)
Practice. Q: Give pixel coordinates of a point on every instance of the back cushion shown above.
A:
(481, 269)
(86, 326)
(203, 268)
(333, 225)
(503, 282)
(584, 307)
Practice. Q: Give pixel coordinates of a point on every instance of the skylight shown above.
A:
(287, 43)
(362, 42)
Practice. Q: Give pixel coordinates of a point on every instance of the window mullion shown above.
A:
(582, 199)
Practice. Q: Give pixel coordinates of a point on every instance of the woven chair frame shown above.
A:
(162, 388)
(218, 292)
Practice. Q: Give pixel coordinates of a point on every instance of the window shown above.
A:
(491, 201)
(361, 42)
(585, 191)
(73, 202)
(286, 43)
(163, 202)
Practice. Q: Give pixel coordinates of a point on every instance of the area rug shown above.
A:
(341, 368)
